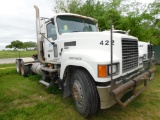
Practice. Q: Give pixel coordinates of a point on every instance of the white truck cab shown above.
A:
(72, 51)
(147, 50)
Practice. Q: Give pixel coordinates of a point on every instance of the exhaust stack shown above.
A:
(39, 37)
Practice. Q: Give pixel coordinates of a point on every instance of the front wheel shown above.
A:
(84, 93)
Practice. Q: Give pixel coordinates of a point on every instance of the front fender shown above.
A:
(78, 64)
(88, 59)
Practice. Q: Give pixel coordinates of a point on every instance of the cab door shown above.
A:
(50, 46)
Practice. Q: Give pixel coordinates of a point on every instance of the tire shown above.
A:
(24, 69)
(84, 93)
(18, 66)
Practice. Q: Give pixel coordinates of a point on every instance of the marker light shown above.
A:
(102, 71)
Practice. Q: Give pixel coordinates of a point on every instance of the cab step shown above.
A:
(49, 84)
(44, 83)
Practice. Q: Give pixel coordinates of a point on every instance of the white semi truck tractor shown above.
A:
(146, 49)
(96, 68)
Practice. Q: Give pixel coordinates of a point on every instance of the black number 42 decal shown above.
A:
(106, 42)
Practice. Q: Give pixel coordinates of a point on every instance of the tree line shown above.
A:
(143, 20)
(18, 44)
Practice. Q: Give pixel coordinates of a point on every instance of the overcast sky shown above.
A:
(17, 19)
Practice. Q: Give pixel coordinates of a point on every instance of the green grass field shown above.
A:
(26, 99)
(15, 54)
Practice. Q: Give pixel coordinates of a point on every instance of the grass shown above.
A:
(15, 54)
(25, 99)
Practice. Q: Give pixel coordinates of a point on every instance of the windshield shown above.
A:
(67, 24)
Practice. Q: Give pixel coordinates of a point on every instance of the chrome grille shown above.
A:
(129, 54)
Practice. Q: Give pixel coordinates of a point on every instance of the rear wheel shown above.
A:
(84, 93)
(24, 69)
(18, 66)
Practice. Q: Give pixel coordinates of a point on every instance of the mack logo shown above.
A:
(75, 58)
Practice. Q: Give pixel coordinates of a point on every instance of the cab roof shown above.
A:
(76, 15)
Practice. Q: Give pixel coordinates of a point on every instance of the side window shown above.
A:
(51, 31)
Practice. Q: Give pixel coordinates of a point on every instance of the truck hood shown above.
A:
(96, 44)
(94, 48)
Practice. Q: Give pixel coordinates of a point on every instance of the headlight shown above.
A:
(114, 69)
(140, 61)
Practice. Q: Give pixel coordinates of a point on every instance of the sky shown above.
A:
(17, 19)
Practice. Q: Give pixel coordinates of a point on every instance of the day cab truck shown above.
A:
(96, 68)
(146, 49)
